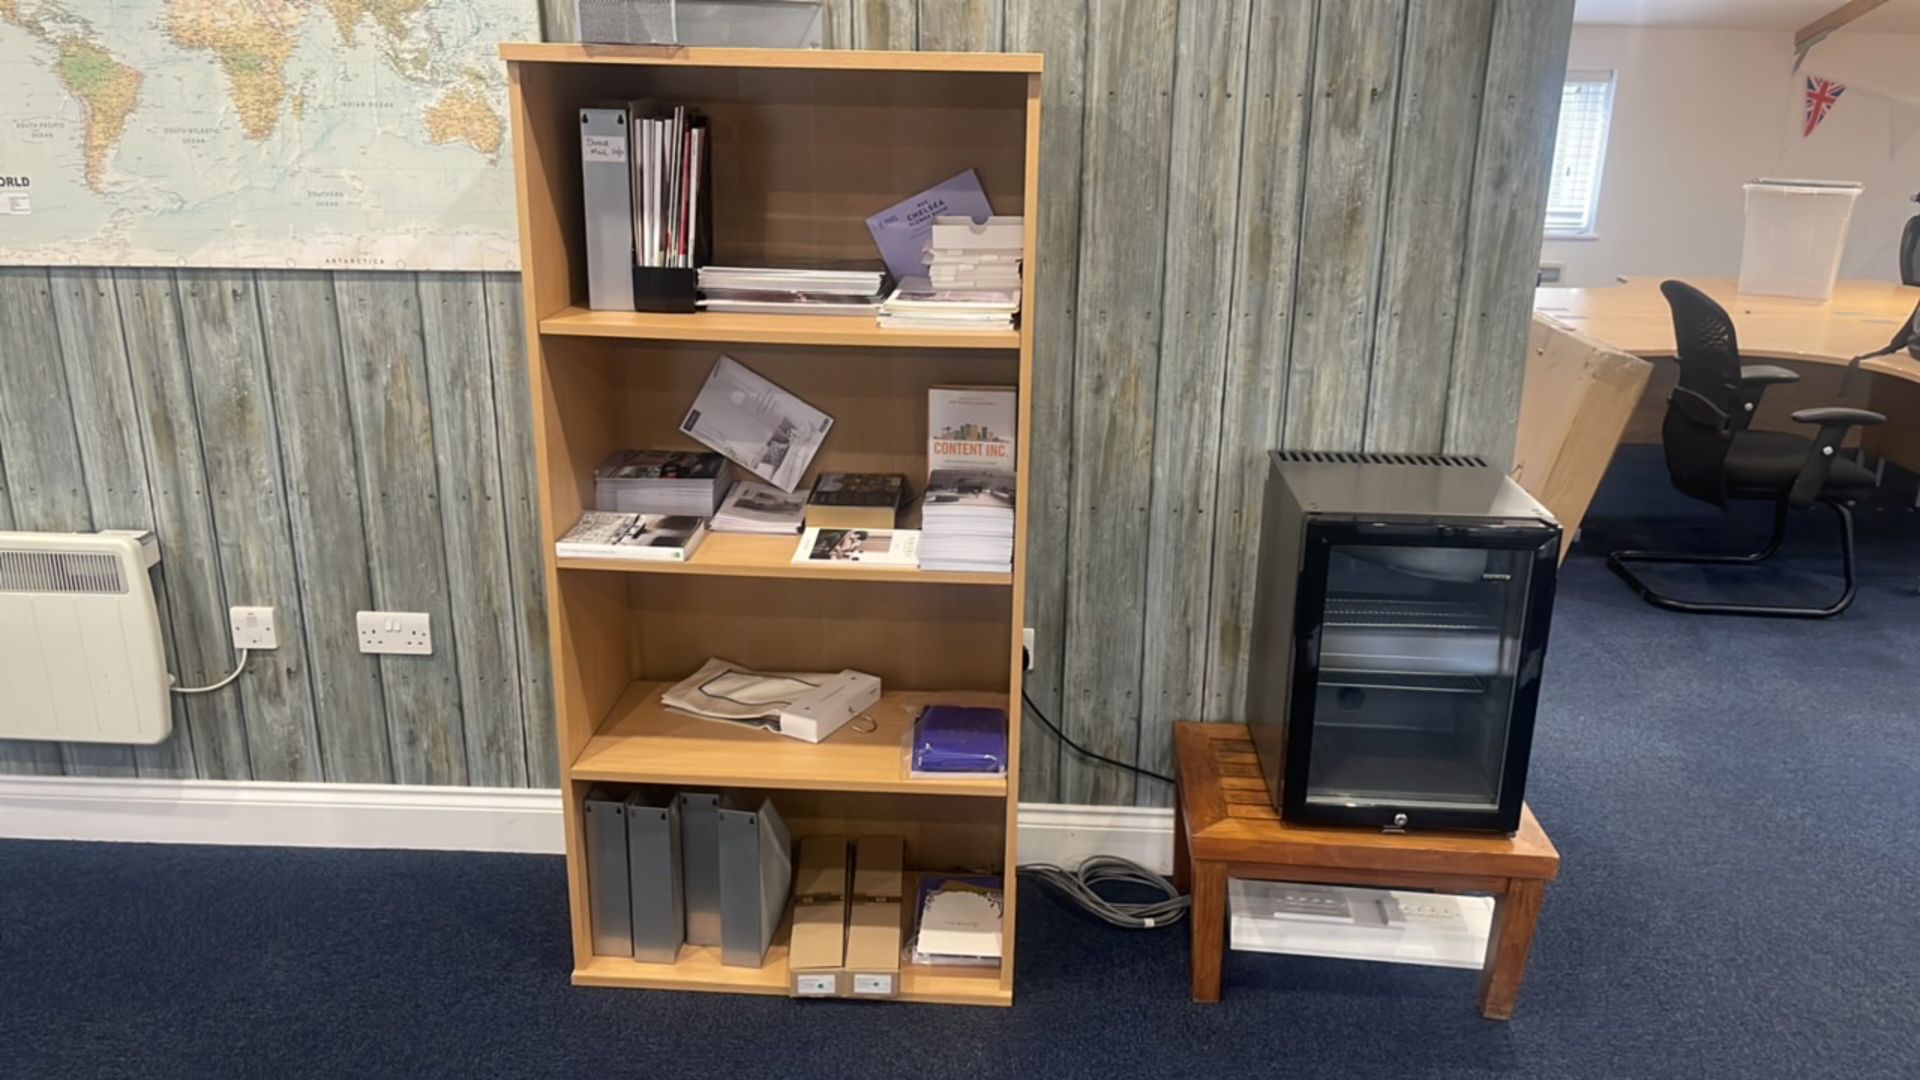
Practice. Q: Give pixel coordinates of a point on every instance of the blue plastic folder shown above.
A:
(960, 739)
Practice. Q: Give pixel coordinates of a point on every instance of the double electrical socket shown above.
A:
(405, 633)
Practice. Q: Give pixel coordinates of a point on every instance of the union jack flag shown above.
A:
(1821, 94)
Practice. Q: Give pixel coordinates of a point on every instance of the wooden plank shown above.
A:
(1526, 68)
(1210, 69)
(519, 495)
(1280, 73)
(387, 391)
(466, 450)
(1443, 73)
(106, 419)
(889, 25)
(1124, 190)
(1814, 32)
(240, 446)
(177, 486)
(961, 25)
(1349, 150)
(1059, 32)
(766, 330)
(46, 481)
(301, 331)
(836, 29)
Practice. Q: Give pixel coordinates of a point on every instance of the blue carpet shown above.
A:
(1737, 802)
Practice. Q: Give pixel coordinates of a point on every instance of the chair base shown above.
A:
(1620, 561)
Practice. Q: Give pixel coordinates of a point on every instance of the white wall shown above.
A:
(1699, 112)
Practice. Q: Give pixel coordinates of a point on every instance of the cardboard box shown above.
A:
(1574, 407)
(873, 921)
(817, 951)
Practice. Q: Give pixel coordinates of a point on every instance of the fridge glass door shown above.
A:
(1418, 653)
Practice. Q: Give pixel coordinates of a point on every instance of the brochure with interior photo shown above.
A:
(759, 426)
(870, 547)
(971, 427)
(755, 506)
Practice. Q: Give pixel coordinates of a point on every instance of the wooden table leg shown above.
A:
(1182, 860)
(1209, 918)
(1514, 916)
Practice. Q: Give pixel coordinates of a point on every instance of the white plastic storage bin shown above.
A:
(1796, 230)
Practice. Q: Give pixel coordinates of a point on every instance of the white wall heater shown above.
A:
(80, 652)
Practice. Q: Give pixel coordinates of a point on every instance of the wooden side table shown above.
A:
(1225, 826)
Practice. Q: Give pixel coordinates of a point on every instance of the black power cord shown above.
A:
(1083, 751)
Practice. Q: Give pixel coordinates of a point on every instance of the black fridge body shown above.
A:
(1400, 624)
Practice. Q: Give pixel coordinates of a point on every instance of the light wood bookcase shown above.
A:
(806, 144)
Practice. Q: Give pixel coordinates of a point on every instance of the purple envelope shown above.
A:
(901, 231)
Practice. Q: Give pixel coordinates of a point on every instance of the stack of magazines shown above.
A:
(966, 521)
(662, 482)
(958, 921)
(754, 506)
(918, 305)
(600, 534)
(756, 290)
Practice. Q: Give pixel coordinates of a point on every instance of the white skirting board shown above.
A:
(439, 818)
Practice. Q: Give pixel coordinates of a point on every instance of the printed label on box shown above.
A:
(873, 984)
(813, 985)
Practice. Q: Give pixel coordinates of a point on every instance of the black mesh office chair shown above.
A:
(1713, 457)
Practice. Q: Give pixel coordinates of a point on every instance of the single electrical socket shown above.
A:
(1026, 645)
(406, 633)
(253, 628)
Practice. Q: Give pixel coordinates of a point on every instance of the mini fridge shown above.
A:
(1400, 624)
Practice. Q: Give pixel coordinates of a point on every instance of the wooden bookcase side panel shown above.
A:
(1023, 454)
(800, 158)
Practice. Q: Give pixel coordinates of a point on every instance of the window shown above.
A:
(1579, 151)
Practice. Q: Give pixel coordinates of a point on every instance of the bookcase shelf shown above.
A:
(699, 968)
(750, 556)
(806, 144)
(641, 742)
(841, 330)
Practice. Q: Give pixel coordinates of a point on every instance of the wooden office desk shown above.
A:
(1808, 335)
(1225, 826)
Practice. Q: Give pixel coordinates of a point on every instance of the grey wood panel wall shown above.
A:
(1308, 223)
(320, 443)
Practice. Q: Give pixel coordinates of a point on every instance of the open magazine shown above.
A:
(759, 426)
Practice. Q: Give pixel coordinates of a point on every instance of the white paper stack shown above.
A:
(662, 482)
(754, 506)
(918, 305)
(766, 290)
(966, 521)
(965, 255)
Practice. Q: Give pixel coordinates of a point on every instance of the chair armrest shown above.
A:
(1839, 415)
(1834, 421)
(1754, 380)
(1765, 375)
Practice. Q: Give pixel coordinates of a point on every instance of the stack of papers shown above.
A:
(661, 482)
(959, 921)
(898, 548)
(966, 255)
(966, 521)
(651, 537)
(918, 305)
(755, 290)
(754, 506)
(959, 740)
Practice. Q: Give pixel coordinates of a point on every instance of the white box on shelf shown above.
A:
(819, 713)
(1388, 925)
